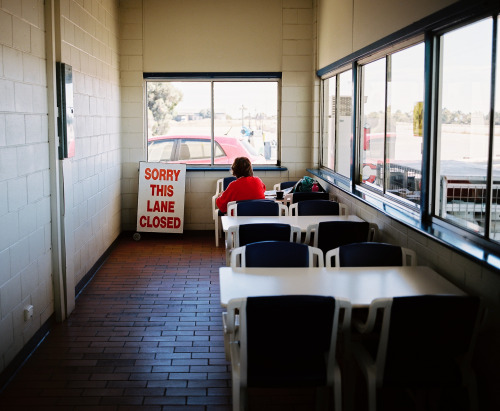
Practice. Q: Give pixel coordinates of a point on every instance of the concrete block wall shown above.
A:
(25, 240)
(296, 113)
(134, 147)
(92, 178)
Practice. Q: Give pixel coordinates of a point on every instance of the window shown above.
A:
(426, 119)
(463, 194)
(213, 121)
(391, 120)
(337, 123)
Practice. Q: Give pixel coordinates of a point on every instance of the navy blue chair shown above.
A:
(317, 207)
(226, 181)
(370, 254)
(313, 195)
(284, 185)
(276, 254)
(221, 185)
(244, 234)
(286, 341)
(256, 208)
(329, 235)
(424, 342)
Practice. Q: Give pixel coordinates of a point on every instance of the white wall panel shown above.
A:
(217, 35)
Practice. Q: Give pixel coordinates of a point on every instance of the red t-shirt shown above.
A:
(244, 188)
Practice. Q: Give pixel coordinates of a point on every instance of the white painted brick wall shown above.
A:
(90, 46)
(25, 263)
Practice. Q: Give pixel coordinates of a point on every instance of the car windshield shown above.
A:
(249, 147)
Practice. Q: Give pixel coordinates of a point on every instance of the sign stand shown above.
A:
(160, 204)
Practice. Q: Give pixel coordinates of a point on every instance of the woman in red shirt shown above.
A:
(245, 187)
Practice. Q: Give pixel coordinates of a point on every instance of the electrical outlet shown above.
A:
(28, 312)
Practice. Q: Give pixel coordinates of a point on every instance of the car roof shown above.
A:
(195, 137)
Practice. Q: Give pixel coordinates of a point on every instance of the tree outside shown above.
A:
(163, 97)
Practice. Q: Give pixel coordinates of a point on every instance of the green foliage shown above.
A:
(162, 97)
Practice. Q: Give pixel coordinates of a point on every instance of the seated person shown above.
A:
(245, 187)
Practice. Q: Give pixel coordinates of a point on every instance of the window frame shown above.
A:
(214, 77)
(485, 238)
(424, 220)
(337, 73)
(386, 55)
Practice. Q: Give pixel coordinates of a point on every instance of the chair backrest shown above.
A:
(286, 341)
(370, 254)
(226, 181)
(284, 184)
(313, 195)
(332, 234)
(276, 254)
(256, 208)
(244, 234)
(220, 186)
(425, 340)
(318, 207)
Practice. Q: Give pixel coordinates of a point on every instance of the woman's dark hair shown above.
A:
(242, 167)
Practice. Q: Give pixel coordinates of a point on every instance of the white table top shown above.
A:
(360, 285)
(298, 221)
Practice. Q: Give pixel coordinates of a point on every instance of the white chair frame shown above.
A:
(236, 329)
(215, 211)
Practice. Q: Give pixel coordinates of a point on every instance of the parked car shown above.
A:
(197, 149)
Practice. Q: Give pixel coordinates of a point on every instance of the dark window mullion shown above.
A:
(355, 143)
(212, 125)
(336, 114)
(489, 177)
(427, 193)
(388, 78)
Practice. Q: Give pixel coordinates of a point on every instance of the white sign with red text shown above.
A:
(160, 206)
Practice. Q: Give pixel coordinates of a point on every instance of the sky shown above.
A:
(258, 97)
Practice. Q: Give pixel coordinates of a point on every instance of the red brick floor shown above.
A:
(146, 334)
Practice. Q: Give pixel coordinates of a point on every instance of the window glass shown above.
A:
(329, 123)
(195, 149)
(405, 96)
(244, 121)
(344, 124)
(372, 127)
(337, 123)
(219, 152)
(248, 113)
(160, 150)
(463, 124)
(495, 207)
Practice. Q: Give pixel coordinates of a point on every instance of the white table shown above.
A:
(301, 221)
(360, 285)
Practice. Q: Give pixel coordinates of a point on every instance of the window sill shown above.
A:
(481, 251)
